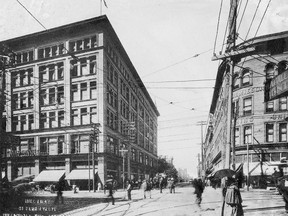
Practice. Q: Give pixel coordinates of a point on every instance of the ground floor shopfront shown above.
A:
(76, 169)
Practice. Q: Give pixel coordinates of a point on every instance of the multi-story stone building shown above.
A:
(259, 113)
(65, 81)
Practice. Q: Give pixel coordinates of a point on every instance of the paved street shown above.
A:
(256, 202)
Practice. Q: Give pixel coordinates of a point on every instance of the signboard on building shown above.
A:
(277, 87)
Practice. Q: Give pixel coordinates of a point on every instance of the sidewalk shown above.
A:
(255, 202)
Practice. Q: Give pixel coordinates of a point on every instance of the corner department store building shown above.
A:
(256, 122)
(65, 80)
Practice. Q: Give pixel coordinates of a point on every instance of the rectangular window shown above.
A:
(75, 117)
(75, 93)
(247, 106)
(237, 136)
(84, 116)
(23, 80)
(43, 97)
(269, 132)
(93, 90)
(60, 144)
(247, 132)
(23, 100)
(15, 82)
(52, 98)
(283, 132)
(283, 103)
(61, 122)
(60, 94)
(74, 144)
(84, 91)
(15, 123)
(30, 122)
(43, 121)
(53, 145)
(93, 65)
(52, 120)
(15, 102)
(60, 71)
(52, 74)
(84, 67)
(275, 156)
(43, 146)
(43, 76)
(30, 99)
(23, 123)
(270, 106)
(93, 115)
(84, 143)
(30, 76)
(73, 68)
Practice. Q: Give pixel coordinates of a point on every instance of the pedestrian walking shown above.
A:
(129, 189)
(283, 190)
(161, 183)
(59, 188)
(149, 188)
(171, 185)
(98, 186)
(233, 198)
(110, 187)
(144, 187)
(199, 188)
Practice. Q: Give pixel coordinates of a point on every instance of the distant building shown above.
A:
(183, 174)
(257, 124)
(66, 80)
(168, 159)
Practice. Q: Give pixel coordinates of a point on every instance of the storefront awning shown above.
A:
(80, 174)
(49, 176)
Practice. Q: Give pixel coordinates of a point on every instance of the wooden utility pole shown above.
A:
(230, 53)
(93, 144)
(202, 167)
(123, 155)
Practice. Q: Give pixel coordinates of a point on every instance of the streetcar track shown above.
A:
(99, 211)
(129, 206)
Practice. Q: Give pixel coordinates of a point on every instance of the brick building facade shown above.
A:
(257, 124)
(65, 81)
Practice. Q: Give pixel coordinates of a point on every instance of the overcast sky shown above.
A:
(161, 38)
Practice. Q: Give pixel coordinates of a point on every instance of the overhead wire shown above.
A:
(217, 28)
(262, 17)
(244, 10)
(184, 60)
(253, 19)
(37, 20)
(182, 81)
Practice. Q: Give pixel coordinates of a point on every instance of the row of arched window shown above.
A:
(243, 78)
(273, 69)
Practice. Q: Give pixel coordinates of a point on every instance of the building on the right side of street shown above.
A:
(259, 110)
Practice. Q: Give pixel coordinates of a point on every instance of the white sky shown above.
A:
(161, 37)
